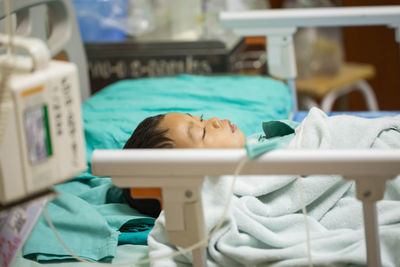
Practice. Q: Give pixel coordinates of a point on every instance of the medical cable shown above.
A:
(181, 251)
(304, 210)
(303, 203)
(6, 70)
(10, 32)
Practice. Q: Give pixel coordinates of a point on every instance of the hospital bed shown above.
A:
(180, 173)
(168, 168)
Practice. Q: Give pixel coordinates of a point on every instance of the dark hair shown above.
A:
(146, 135)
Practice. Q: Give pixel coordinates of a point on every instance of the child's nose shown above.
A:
(215, 122)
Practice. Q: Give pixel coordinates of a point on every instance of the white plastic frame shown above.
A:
(179, 172)
(280, 25)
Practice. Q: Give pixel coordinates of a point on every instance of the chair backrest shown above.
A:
(53, 21)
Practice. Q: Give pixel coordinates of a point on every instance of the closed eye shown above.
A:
(204, 129)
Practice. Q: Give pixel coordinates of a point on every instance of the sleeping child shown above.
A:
(183, 130)
(178, 130)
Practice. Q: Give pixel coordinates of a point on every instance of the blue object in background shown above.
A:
(300, 115)
(102, 20)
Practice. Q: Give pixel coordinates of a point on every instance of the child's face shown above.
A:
(189, 131)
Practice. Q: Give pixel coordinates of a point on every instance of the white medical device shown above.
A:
(41, 132)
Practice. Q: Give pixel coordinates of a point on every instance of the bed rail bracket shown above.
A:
(182, 204)
(369, 190)
(184, 217)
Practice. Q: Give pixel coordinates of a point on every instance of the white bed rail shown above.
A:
(180, 172)
(279, 25)
(193, 162)
(258, 20)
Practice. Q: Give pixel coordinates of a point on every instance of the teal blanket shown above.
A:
(87, 215)
(265, 225)
(91, 215)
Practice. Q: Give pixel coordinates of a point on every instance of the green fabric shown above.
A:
(124, 254)
(135, 231)
(276, 128)
(275, 135)
(87, 216)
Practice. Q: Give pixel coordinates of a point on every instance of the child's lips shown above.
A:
(234, 128)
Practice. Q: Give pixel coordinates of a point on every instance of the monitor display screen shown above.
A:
(37, 133)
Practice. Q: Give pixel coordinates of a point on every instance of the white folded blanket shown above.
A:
(265, 225)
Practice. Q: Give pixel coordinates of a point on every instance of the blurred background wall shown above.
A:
(374, 45)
